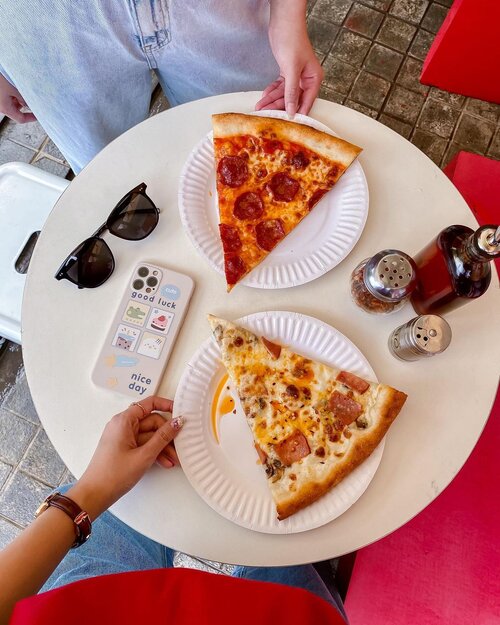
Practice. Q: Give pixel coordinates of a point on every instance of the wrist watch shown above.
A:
(83, 524)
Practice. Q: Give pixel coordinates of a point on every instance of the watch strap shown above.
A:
(83, 525)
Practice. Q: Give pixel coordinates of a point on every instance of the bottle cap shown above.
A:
(487, 240)
(390, 275)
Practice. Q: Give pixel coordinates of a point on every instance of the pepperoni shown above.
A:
(352, 381)
(269, 233)
(235, 268)
(300, 160)
(334, 173)
(248, 205)
(283, 187)
(271, 145)
(345, 409)
(230, 238)
(316, 197)
(272, 348)
(233, 171)
(293, 448)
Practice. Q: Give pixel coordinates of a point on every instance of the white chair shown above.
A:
(27, 195)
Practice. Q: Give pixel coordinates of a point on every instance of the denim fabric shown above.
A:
(84, 68)
(116, 548)
(113, 548)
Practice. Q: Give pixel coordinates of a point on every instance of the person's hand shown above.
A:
(11, 103)
(131, 442)
(300, 71)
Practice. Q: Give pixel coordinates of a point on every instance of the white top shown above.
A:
(450, 395)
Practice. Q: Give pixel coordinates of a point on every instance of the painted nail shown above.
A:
(177, 423)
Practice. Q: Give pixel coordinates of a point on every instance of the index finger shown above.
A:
(146, 406)
(292, 93)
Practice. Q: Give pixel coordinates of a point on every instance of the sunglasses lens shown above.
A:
(134, 218)
(89, 265)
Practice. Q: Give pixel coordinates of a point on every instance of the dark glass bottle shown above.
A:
(454, 268)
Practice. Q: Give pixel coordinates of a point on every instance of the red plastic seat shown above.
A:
(443, 567)
(464, 56)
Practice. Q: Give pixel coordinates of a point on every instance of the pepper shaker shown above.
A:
(384, 283)
(421, 337)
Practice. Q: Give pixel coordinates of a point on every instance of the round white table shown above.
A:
(450, 396)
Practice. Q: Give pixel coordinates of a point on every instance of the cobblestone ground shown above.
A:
(372, 52)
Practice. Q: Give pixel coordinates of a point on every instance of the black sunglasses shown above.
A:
(91, 263)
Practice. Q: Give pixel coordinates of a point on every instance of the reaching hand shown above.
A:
(300, 71)
(11, 103)
(130, 443)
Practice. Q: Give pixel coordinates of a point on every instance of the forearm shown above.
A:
(289, 15)
(30, 559)
(27, 563)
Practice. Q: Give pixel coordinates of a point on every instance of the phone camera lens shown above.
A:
(152, 281)
(138, 285)
(143, 271)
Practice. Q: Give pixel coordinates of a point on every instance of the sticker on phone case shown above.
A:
(160, 320)
(151, 345)
(170, 291)
(135, 313)
(126, 338)
(120, 361)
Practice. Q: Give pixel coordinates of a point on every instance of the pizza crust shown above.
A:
(231, 124)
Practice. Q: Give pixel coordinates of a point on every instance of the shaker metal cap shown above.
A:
(390, 275)
(430, 334)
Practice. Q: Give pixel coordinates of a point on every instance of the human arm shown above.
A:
(131, 442)
(300, 71)
(11, 103)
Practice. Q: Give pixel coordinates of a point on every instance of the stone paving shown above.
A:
(372, 52)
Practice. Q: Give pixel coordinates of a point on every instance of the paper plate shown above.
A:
(319, 243)
(226, 473)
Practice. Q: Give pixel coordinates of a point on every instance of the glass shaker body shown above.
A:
(382, 284)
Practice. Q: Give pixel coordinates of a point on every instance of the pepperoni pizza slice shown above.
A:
(270, 174)
(312, 425)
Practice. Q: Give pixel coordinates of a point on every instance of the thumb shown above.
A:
(162, 437)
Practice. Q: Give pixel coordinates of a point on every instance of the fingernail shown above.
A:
(177, 423)
(290, 111)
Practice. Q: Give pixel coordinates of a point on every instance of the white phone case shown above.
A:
(143, 332)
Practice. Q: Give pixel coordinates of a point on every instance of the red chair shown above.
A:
(443, 567)
(465, 55)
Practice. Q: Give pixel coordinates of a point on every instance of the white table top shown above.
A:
(63, 328)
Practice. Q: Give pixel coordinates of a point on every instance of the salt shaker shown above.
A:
(384, 283)
(421, 337)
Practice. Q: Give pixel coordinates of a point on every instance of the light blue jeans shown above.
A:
(116, 548)
(84, 68)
